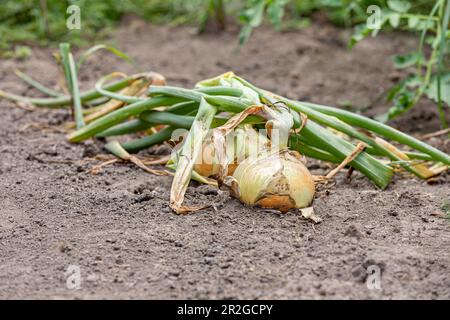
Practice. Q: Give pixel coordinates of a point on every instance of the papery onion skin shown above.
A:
(246, 143)
(280, 181)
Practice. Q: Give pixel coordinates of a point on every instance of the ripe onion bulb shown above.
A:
(244, 142)
(277, 181)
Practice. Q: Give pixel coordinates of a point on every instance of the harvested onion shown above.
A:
(245, 141)
(277, 181)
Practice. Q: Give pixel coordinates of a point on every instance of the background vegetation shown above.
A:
(44, 22)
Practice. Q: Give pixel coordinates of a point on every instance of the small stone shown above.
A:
(145, 196)
(359, 273)
(90, 150)
(174, 273)
(64, 247)
(178, 244)
(393, 213)
(352, 231)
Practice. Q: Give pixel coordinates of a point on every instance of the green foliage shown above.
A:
(172, 12)
(44, 21)
(399, 5)
(251, 18)
(432, 89)
(427, 76)
(407, 60)
(414, 16)
(347, 12)
(340, 12)
(19, 52)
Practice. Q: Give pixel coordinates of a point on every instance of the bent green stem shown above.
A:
(37, 85)
(62, 101)
(118, 116)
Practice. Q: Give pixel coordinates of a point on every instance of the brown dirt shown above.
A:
(116, 226)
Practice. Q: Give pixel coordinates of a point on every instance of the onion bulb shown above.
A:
(277, 181)
(244, 142)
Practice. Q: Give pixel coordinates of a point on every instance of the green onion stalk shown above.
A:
(228, 101)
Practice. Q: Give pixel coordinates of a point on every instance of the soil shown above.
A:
(117, 228)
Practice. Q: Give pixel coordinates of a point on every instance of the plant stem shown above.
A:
(66, 100)
(37, 85)
(442, 47)
(376, 171)
(422, 37)
(77, 107)
(131, 126)
(118, 116)
(383, 130)
(148, 141)
(188, 155)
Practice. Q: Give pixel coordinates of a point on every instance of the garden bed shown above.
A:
(117, 226)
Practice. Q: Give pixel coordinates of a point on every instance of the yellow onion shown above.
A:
(277, 181)
(245, 142)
